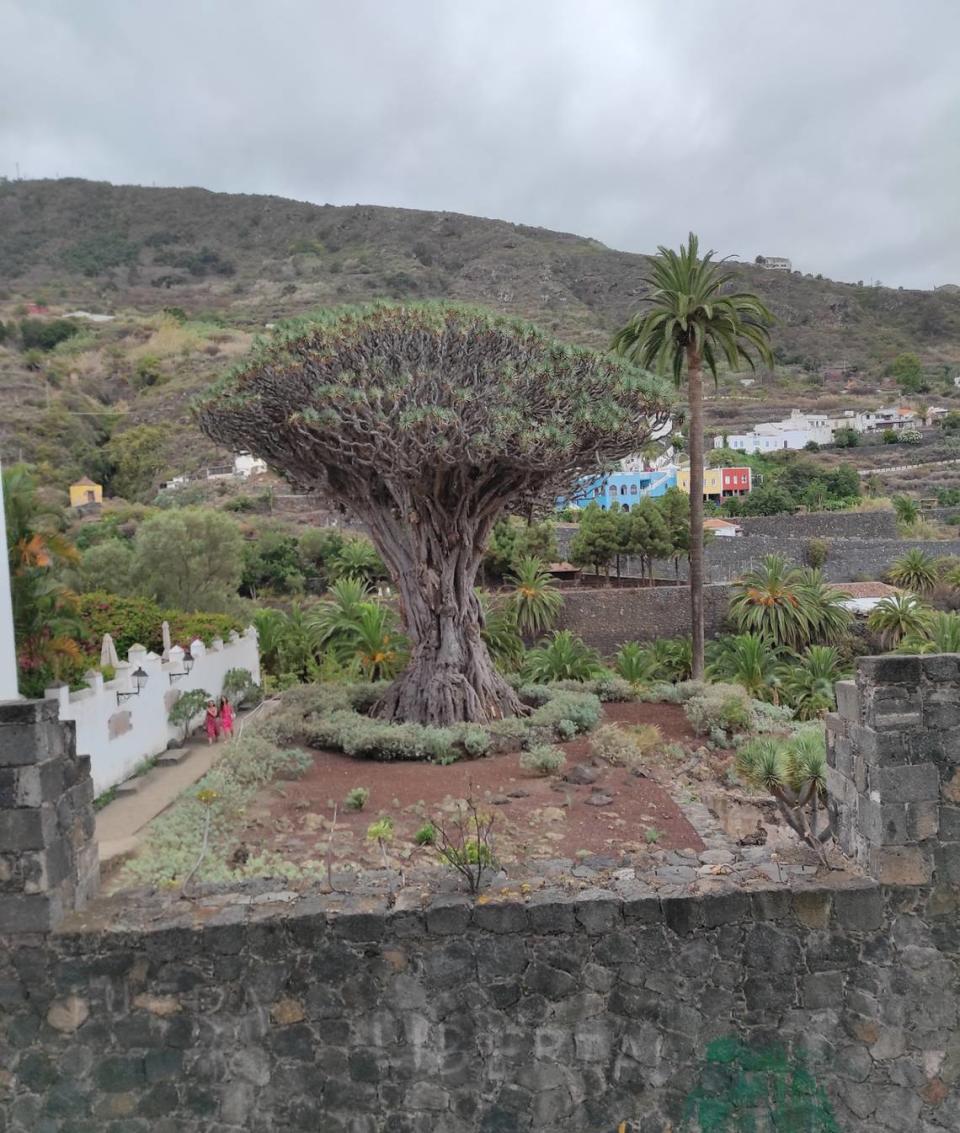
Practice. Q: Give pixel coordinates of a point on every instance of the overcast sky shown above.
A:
(827, 131)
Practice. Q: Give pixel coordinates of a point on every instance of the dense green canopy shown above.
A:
(429, 422)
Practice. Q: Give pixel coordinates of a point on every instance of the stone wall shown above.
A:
(606, 618)
(836, 1009)
(893, 747)
(48, 860)
(848, 559)
(824, 525)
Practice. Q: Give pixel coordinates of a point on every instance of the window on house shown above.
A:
(633, 489)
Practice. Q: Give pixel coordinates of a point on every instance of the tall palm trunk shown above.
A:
(695, 390)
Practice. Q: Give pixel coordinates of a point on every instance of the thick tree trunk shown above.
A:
(695, 391)
(450, 678)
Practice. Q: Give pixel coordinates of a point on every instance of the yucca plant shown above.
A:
(794, 771)
(563, 657)
(336, 617)
(915, 570)
(535, 597)
(358, 558)
(898, 617)
(808, 681)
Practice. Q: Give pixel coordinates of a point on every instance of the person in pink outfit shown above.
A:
(212, 722)
(226, 716)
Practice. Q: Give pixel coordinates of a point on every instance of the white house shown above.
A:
(723, 528)
(246, 464)
(774, 263)
(799, 429)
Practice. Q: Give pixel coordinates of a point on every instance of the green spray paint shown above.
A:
(747, 1089)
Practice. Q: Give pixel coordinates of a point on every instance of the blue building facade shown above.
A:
(623, 488)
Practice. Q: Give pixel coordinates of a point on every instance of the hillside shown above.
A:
(225, 264)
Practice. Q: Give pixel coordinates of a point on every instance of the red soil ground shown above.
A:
(536, 817)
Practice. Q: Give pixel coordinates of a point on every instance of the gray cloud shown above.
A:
(828, 132)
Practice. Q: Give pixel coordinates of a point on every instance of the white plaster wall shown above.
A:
(120, 736)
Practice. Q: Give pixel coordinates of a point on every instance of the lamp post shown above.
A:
(8, 646)
(139, 677)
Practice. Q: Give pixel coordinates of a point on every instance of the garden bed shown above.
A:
(535, 816)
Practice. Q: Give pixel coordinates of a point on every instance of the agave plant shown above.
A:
(808, 681)
(940, 633)
(563, 657)
(794, 771)
(535, 597)
(897, 617)
(747, 660)
(915, 570)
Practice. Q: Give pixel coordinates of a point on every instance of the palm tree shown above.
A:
(748, 660)
(907, 510)
(688, 324)
(939, 634)
(808, 681)
(897, 617)
(498, 628)
(376, 646)
(770, 601)
(915, 570)
(564, 657)
(829, 616)
(535, 598)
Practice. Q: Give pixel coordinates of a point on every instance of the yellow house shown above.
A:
(718, 482)
(85, 492)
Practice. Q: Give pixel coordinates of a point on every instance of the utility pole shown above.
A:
(8, 649)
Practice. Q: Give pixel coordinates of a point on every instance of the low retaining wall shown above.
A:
(606, 618)
(727, 559)
(119, 735)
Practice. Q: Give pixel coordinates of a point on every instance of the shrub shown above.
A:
(239, 686)
(911, 437)
(544, 759)
(426, 835)
(816, 552)
(188, 705)
(357, 798)
(722, 706)
(607, 688)
(173, 846)
(615, 746)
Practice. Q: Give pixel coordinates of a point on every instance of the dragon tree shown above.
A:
(428, 422)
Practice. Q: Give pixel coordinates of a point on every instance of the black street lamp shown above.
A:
(140, 678)
(187, 666)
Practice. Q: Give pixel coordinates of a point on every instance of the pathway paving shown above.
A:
(121, 822)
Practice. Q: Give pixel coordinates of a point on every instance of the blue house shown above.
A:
(623, 488)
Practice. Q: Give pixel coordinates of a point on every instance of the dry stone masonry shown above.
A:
(48, 859)
(894, 753)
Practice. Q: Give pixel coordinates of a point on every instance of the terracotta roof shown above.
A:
(86, 482)
(717, 523)
(867, 589)
(558, 568)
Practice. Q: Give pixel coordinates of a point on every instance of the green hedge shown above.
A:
(137, 621)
